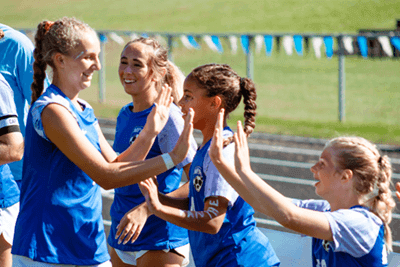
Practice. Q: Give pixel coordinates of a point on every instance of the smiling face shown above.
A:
(327, 175)
(134, 71)
(82, 62)
(194, 97)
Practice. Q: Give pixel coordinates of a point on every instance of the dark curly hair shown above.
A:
(222, 80)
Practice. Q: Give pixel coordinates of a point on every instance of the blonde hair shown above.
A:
(158, 60)
(372, 176)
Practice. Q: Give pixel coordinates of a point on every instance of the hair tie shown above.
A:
(48, 25)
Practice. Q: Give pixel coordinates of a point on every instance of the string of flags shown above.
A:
(290, 43)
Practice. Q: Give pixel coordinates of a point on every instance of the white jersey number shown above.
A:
(321, 263)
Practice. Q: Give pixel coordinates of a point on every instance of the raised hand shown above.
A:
(216, 146)
(150, 191)
(242, 157)
(158, 117)
(181, 148)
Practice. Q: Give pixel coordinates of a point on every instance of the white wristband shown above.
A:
(168, 160)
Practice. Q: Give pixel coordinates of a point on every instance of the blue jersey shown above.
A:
(156, 234)
(238, 242)
(60, 218)
(9, 192)
(16, 60)
(358, 237)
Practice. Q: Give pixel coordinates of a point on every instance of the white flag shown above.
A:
(207, 39)
(186, 42)
(133, 36)
(387, 48)
(288, 44)
(317, 43)
(116, 38)
(348, 44)
(233, 42)
(259, 40)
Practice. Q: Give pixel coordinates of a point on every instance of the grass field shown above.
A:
(296, 95)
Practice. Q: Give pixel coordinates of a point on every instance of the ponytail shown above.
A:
(249, 94)
(39, 65)
(383, 203)
(175, 78)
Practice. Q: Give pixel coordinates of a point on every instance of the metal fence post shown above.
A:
(102, 72)
(342, 81)
(250, 60)
(170, 56)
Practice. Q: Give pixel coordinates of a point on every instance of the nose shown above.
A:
(314, 168)
(180, 102)
(97, 64)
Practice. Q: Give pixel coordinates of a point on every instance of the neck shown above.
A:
(345, 201)
(66, 89)
(208, 131)
(144, 100)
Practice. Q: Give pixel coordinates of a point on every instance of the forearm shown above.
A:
(12, 149)
(200, 221)
(270, 201)
(177, 199)
(232, 177)
(119, 174)
(140, 147)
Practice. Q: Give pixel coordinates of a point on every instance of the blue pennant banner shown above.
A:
(396, 42)
(193, 42)
(268, 39)
(362, 43)
(298, 44)
(103, 38)
(217, 43)
(328, 41)
(244, 40)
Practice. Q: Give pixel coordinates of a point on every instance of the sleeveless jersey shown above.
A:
(60, 218)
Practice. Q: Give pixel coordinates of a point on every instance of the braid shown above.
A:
(372, 176)
(249, 99)
(383, 203)
(39, 65)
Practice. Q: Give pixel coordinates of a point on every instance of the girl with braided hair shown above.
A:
(67, 158)
(350, 227)
(144, 69)
(222, 229)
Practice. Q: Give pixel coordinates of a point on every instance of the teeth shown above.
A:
(129, 81)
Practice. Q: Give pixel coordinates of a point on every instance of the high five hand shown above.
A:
(159, 115)
(182, 146)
